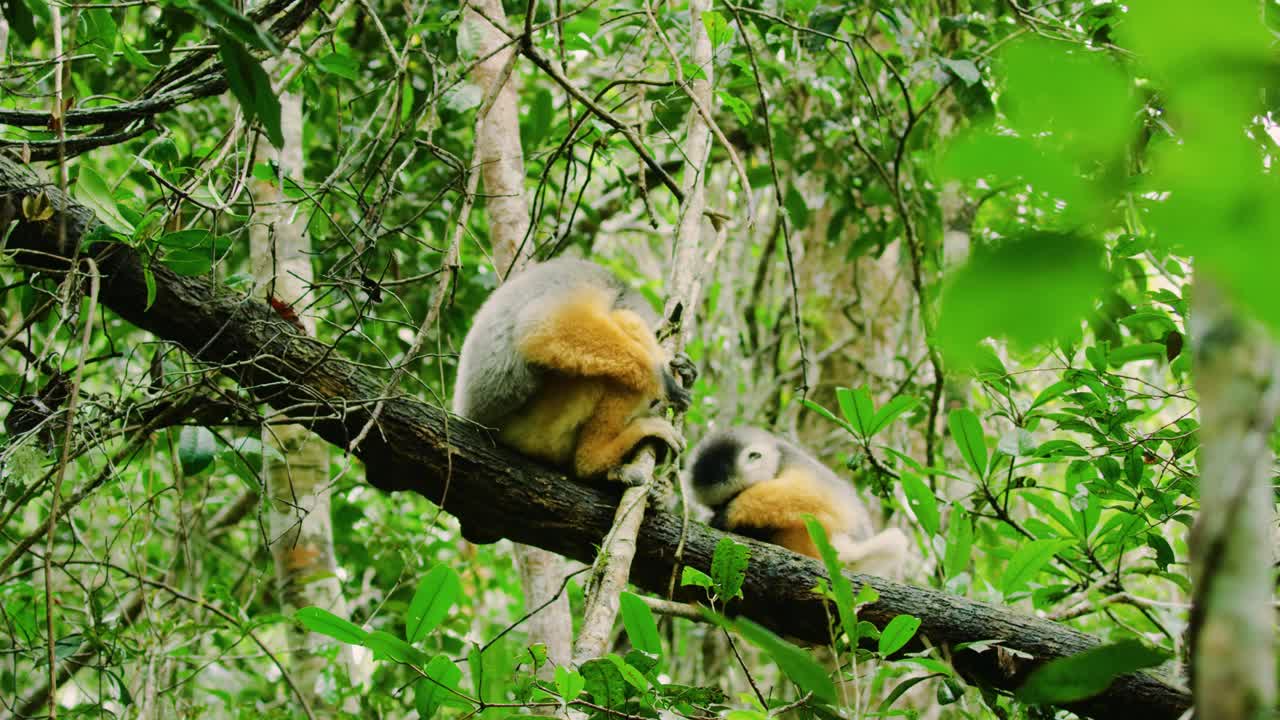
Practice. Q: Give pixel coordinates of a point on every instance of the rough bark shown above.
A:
(617, 553)
(495, 493)
(297, 486)
(1238, 381)
(501, 159)
(498, 151)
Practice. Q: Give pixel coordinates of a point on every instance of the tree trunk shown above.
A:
(297, 483)
(1238, 380)
(501, 159)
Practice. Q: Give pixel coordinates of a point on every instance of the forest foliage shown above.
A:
(949, 248)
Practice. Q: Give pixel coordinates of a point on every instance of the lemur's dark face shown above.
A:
(726, 463)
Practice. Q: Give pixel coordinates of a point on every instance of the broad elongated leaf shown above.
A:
(923, 503)
(431, 602)
(959, 543)
(326, 623)
(93, 191)
(857, 408)
(1086, 674)
(196, 447)
(1030, 289)
(385, 645)
(436, 688)
(694, 576)
(605, 682)
(967, 432)
(729, 567)
(251, 86)
(1027, 562)
(898, 633)
(890, 412)
(798, 665)
(570, 683)
(639, 622)
(840, 585)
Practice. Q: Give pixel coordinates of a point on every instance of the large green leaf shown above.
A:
(840, 585)
(437, 687)
(967, 432)
(729, 567)
(435, 595)
(324, 622)
(1027, 562)
(1029, 289)
(898, 633)
(857, 408)
(251, 87)
(1084, 675)
(922, 501)
(196, 446)
(638, 620)
(798, 665)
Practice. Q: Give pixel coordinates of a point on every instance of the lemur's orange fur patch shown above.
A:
(605, 370)
(582, 336)
(780, 505)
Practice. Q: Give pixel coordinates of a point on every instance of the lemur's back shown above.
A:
(493, 377)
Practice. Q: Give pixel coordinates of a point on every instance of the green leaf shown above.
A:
(605, 682)
(639, 622)
(694, 576)
(796, 208)
(20, 18)
(251, 86)
(93, 191)
(570, 683)
(1027, 562)
(322, 621)
(633, 676)
(1084, 675)
(1052, 392)
(922, 501)
(959, 543)
(796, 663)
(825, 413)
(385, 645)
(1133, 353)
(344, 66)
(737, 105)
(196, 447)
(897, 633)
(729, 568)
(436, 688)
(1030, 289)
(890, 412)
(963, 69)
(967, 432)
(432, 601)
(188, 262)
(221, 16)
(901, 688)
(718, 29)
(1082, 97)
(540, 117)
(840, 584)
(857, 408)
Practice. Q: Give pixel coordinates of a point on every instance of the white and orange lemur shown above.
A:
(762, 486)
(563, 362)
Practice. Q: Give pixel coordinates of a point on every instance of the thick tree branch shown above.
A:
(496, 493)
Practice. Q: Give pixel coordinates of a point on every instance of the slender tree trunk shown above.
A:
(617, 552)
(298, 484)
(1238, 380)
(501, 159)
